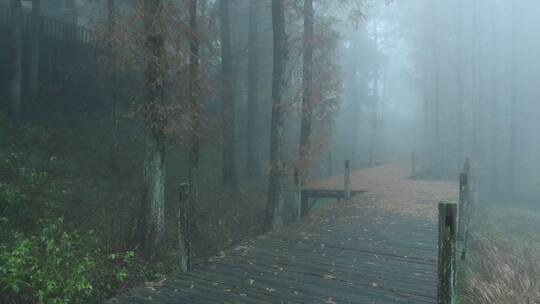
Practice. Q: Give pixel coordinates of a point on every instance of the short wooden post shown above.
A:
(347, 180)
(447, 253)
(462, 216)
(329, 164)
(304, 205)
(467, 166)
(297, 194)
(413, 164)
(184, 237)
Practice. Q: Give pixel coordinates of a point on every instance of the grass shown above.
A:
(504, 261)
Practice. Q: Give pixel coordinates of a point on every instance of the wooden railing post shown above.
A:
(347, 180)
(447, 253)
(468, 205)
(413, 164)
(304, 205)
(184, 237)
(329, 164)
(462, 215)
(297, 194)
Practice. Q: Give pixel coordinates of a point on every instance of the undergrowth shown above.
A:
(504, 262)
(69, 222)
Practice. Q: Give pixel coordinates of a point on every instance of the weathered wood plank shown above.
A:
(370, 258)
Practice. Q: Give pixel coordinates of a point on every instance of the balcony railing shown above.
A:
(52, 28)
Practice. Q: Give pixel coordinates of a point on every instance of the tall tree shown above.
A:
(460, 99)
(193, 86)
(111, 81)
(154, 161)
(17, 50)
(34, 58)
(436, 141)
(493, 109)
(307, 78)
(274, 207)
(253, 83)
(229, 157)
(513, 103)
(374, 96)
(475, 98)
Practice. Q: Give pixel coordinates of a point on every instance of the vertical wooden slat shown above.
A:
(184, 237)
(329, 164)
(413, 164)
(347, 180)
(297, 194)
(304, 205)
(462, 216)
(447, 253)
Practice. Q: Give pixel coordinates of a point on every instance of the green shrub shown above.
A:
(14, 203)
(59, 267)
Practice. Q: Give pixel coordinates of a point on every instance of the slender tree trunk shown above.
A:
(355, 101)
(436, 140)
(475, 85)
(17, 50)
(229, 157)
(459, 79)
(34, 59)
(193, 87)
(274, 208)
(111, 82)
(253, 82)
(307, 79)
(154, 162)
(513, 105)
(375, 96)
(494, 134)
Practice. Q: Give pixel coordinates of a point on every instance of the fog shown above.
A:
(456, 79)
(246, 140)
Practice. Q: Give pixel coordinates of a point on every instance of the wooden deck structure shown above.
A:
(346, 254)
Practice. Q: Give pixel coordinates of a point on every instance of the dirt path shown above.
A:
(389, 187)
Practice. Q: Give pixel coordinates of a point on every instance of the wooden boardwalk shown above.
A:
(349, 253)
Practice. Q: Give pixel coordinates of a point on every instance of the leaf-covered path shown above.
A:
(378, 248)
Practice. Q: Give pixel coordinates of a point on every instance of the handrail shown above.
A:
(454, 234)
(52, 28)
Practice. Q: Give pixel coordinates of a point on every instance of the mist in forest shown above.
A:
(138, 135)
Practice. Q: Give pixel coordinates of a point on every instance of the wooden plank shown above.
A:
(368, 258)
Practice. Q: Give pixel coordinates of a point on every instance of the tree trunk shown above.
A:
(494, 134)
(375, 101)
(459, 79)
(513, 105)
(274, 208)
(193, 87)
(253, 81)
(436, 138)
(475, 86)
(34, 59)
(16, 76)
(111, 82)
(307, 79)
(154, 162)
(229, 157)
(355, 83)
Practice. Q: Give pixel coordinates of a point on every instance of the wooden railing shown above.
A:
(454, 233)
(52, 28)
